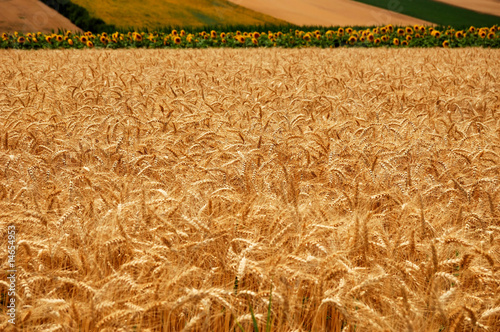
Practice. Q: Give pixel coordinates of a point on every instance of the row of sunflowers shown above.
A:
(389, 36)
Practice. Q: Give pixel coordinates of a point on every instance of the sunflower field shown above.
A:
(388, 36)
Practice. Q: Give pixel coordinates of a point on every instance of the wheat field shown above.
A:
(182, 190)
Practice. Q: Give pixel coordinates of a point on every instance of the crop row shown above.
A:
(409, 36)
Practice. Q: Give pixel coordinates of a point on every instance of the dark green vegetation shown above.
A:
(436, 12)
(79, 16)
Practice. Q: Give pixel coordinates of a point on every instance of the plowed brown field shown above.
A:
(31, 16)
(357, 189)
(329, 12)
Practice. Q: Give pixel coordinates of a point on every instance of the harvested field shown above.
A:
(357, 189)
(327, 13)
(483, 6)
(31, 16)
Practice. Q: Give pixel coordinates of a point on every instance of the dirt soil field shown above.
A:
(31, 16)
(328, 12)
(484, 6)
(177, 190)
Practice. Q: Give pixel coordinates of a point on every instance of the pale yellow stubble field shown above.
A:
(360, 186)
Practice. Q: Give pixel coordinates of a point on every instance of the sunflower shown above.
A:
(183, 33)
(213, 34)
(256, 35)
(416, 27)
(280, 34)
(48, 39)
(238, 33)
(90, 44)
(21, 40)
(376, 41)
(459, 34)
(395, 41)
(436, 34)
(34, 40)
(241, 39)
(404, 43)
(255, 41)
(59, 38)
(103, 39)
(383, 30)
(446, 43)
(482, 34)
(222, 35)
(137, 37)
(70, 42)
(491, 35)
(307, 37)
(348, 30)
(408, 38)
(390, 28)
(401, 32)
(352, 40)
(362, 39)
(384, 38)
(177, 40)
(417, 35)
(472, 29)
(83, 39)
(371, 37)
(174, 32)
(223, 41)
(340, 31)
(376, 31)
(409, 30)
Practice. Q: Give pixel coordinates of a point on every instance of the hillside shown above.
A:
(128, 13)
(483, 6)
(31, 16)
(441, 12)
(326, 12)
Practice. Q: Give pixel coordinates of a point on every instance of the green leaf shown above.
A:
(268, 321)
(254, 320)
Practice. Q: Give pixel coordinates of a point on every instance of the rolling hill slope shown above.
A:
(328, 12)
(31, 16)
(131, 13)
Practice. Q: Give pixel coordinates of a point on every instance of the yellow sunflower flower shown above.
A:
(395, 41)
